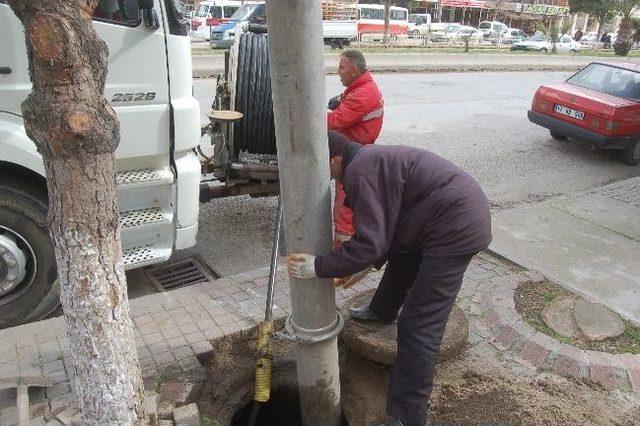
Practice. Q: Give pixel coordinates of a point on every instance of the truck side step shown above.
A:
(144, 177)
(144, 217)
(136, 257)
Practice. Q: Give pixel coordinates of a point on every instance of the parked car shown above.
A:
(511, 35)
(542, 43)
(438, 26)
(445, 34)
(210, 14)
(474, 34)
(491, 29)
(599, 105)
(419, 24)
(222, 36)
(589, 38)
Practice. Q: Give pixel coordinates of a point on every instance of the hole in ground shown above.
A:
(283, 409)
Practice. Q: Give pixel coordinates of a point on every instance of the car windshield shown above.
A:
(485, 25)
(614, 81)
(244, 13)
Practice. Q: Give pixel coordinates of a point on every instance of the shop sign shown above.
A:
(542, 9)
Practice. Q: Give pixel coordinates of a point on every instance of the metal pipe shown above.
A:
(268, 310)
(296, 55)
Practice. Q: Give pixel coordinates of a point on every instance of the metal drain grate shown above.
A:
(179, 273)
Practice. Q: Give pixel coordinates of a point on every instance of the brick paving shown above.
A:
(173, 328)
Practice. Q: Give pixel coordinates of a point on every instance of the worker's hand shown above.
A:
(301, 265)
(335, 102)
(347, 282)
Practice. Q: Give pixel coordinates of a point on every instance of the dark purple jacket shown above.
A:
(407, 200)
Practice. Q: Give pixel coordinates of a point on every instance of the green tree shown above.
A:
(636, 29)
(603, 10)
(555, 33)
(624, 41)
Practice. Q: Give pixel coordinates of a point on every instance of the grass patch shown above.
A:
(532, 298)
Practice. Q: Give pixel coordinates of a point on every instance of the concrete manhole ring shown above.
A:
(376, 341)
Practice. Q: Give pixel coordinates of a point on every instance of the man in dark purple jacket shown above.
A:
(425, 218)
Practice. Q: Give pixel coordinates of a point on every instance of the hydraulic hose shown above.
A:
(256, 132)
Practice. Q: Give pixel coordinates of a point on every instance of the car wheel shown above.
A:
(631, 155)
(29, 289)
(557, 136)
(573, 51)
(544, 50)
(415, 33)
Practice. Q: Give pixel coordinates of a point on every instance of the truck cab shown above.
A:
(150, 87)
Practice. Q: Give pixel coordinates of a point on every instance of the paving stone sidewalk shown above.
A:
(588, 241)
(173, 328)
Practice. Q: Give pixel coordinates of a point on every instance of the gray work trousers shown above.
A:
(426, 288)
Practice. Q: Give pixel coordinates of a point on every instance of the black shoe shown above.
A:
(363, 313)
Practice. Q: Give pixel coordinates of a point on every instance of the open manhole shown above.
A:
(283, 409)
(179, 273)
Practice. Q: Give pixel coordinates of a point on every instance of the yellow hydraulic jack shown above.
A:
(262, 390)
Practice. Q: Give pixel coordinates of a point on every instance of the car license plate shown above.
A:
(569, 112)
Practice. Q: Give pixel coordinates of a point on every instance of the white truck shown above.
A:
(161, 175)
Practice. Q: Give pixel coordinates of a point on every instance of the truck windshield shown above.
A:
(248, 11)
(614, 81)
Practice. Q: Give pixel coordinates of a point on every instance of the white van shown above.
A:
(419, 24)
(212, 13)
(491, 29)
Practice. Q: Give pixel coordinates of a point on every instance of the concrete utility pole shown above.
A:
(296, 52)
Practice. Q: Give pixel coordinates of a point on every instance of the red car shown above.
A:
(600, 105)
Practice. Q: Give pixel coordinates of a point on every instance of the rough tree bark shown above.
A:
(77, 132)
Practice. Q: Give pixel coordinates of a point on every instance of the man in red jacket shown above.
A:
(357, 114)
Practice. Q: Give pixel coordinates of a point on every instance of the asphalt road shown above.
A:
(476, 120)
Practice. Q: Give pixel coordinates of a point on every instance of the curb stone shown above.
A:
(494, 318)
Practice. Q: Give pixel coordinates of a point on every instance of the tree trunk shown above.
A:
(387, 15)
(77, 133)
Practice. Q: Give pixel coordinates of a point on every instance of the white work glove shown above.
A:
(347, 282)
(301, 265)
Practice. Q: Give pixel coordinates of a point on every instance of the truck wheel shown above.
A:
(557, 136)
(28, 286)
(544, 50)
(631, 155)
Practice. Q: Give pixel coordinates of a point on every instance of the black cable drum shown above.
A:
(255, 133)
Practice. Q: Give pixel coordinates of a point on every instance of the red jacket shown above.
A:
(359, 116)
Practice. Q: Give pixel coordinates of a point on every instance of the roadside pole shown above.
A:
(296, 53)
